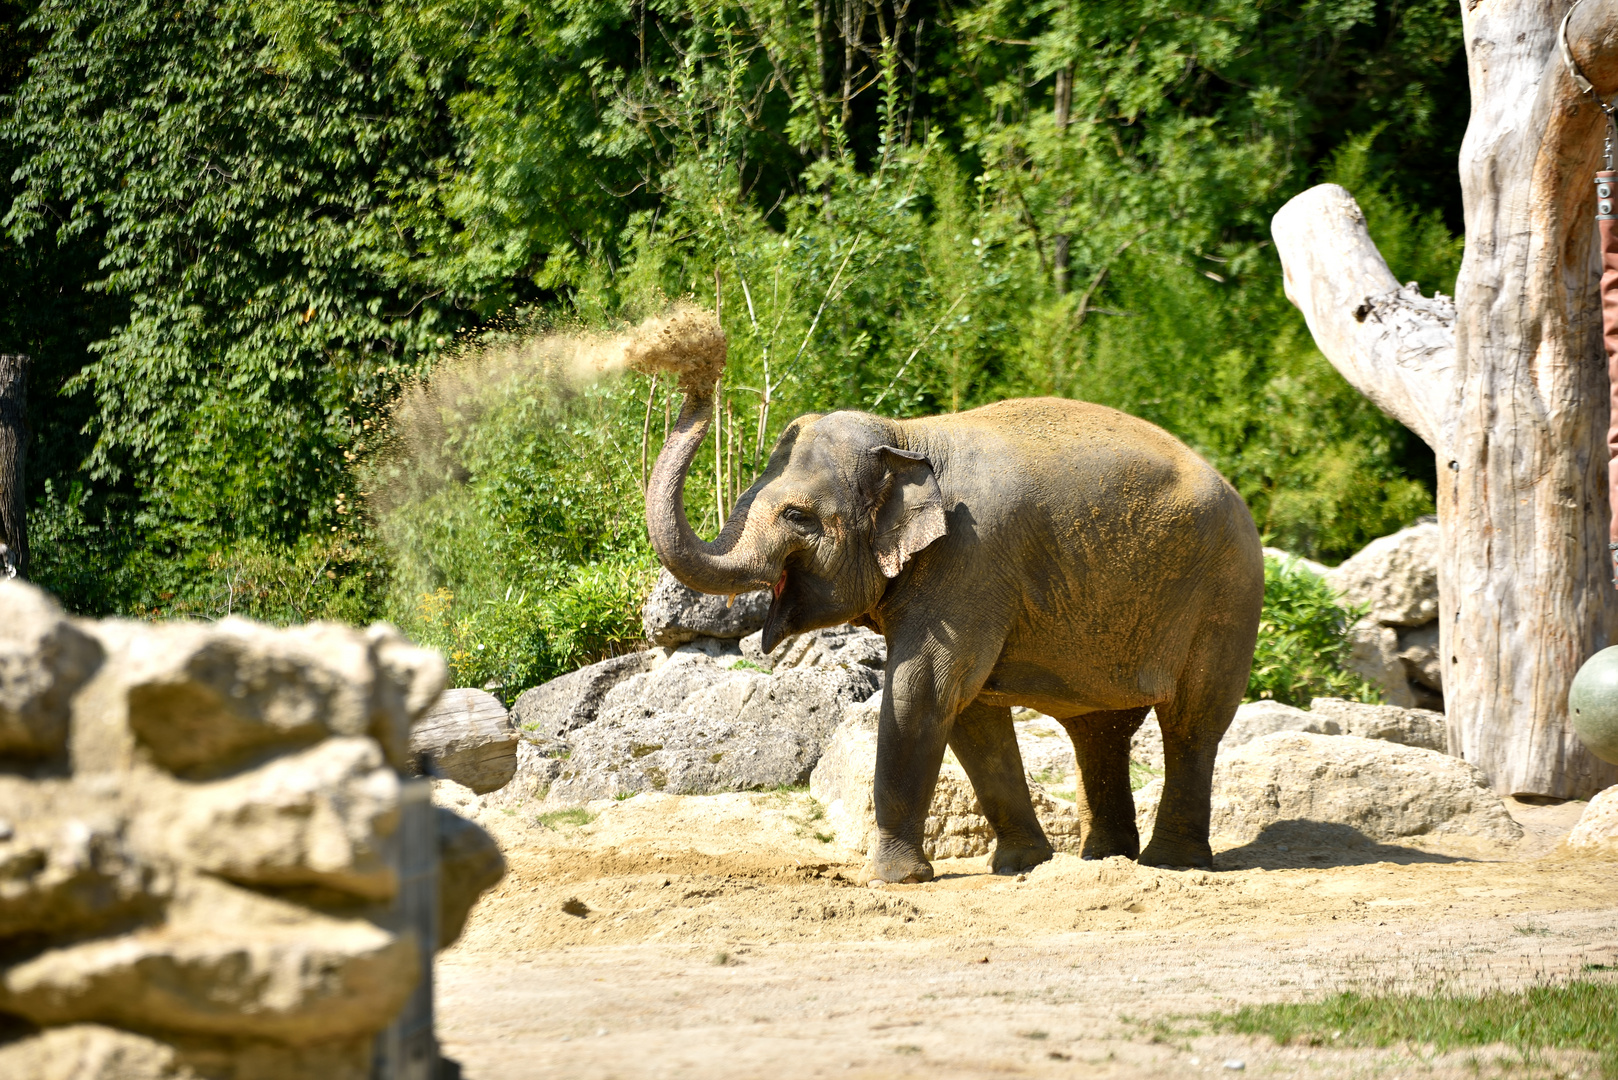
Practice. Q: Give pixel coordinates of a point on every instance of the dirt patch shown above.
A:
(726, 936)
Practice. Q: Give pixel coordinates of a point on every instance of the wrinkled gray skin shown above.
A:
(1045, 553)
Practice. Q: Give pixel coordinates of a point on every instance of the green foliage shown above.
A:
(1300, 640)
(241, 235)
(510, 505)
(1576, 1014)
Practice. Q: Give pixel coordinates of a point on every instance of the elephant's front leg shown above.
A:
(917, 716)
(985, 741)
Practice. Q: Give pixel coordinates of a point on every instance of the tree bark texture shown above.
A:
(13, 458)
(1507, 384)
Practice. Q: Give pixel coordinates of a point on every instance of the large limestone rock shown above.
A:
(1381, 790)
(1597, 830)
(574, 700)
(1395, 646)
(1395, 576)
(1407, 727)
(694, 727)
(956, 829)
(843, 644)
(200, 883)
(470, 739)
(44, 659)
(674, 614)
(1254, 719)
(317, 980)
(67, 866)
(199, 700)
(318, 817)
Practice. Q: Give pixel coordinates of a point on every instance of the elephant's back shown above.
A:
(1058, 448)
(1109, 487)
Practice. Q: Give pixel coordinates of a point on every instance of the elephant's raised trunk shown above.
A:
(724, 565)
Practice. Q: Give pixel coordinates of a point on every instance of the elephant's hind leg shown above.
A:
(985, 742)
(1106, 805)
(1193, 722)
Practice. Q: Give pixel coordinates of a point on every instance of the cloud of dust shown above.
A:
(420, 452)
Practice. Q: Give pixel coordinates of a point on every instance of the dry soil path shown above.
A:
(720, 937)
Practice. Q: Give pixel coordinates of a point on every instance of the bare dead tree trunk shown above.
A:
(13, 458)
(1507, 384)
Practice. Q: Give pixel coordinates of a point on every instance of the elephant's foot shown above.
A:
(1102, 843)
(899, 864)
(1177, 852)
(1014, 859)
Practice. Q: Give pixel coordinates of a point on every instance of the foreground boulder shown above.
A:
(956, 827)
(470, 738)
(1597, 830)
(1380, 790)
(204, 879)
(674, 614)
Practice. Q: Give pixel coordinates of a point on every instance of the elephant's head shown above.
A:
(838, 512)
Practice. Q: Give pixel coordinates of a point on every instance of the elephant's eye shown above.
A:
(801, 519)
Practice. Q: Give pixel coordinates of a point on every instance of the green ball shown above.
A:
(1593, 704)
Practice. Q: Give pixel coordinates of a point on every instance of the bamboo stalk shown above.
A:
(646, 429)
(719, 452)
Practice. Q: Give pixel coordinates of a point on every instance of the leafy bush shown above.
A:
(508, 498)
(1301, 640)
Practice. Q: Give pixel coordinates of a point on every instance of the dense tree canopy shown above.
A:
(235, 231)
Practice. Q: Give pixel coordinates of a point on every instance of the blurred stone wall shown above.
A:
(197, 845)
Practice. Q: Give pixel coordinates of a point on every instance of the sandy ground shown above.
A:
(720, 936)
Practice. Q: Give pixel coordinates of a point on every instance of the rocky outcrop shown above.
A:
(674, 614)
(574, 699)
(700, 724)
(470, 739)
(200, 852)
(1408, 727)
(1253, 720)
(1395, 646)
(956, 827)
(1380, 790)
(834, 645)
(1597, 830)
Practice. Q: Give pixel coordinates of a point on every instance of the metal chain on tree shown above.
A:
(1606, 183)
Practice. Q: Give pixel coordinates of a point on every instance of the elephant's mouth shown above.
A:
(775, 622)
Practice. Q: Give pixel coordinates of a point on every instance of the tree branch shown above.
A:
(1392, 344)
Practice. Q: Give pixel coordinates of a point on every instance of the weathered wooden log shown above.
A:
(470, 738)
(1508, 387)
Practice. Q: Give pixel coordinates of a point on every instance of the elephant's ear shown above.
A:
(911, 514)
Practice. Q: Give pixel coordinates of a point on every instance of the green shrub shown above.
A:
(508, 499)
(1301, 640)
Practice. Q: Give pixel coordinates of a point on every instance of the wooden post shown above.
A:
(1507, 384)
(13, 459)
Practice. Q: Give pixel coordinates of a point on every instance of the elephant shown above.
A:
(1039, 552)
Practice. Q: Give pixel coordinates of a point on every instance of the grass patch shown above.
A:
(1581, 1014)
(554, 819)
(1141, 775)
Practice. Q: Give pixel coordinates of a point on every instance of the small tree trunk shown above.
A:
(13, 458)
(1508, 387)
